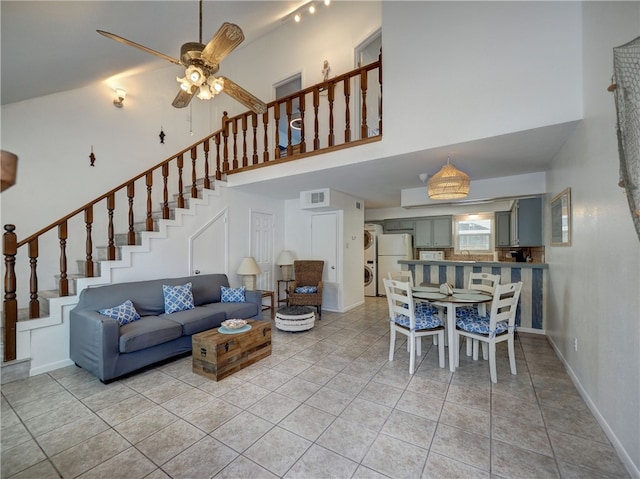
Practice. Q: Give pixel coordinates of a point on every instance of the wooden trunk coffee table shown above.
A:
(216, 355)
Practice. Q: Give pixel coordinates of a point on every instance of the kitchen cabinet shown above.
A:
(526, 222)
(434, 232)
(398, 225)
(503, 228)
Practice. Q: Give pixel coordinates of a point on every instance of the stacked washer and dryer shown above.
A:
(371, 233)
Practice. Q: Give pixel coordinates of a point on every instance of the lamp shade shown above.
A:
(285, 258)
(248, 266)
(448, 183)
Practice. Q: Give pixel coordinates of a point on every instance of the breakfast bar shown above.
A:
(532, 307)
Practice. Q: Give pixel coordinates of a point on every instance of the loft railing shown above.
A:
(316, 120)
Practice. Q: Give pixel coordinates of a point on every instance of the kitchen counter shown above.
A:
(532, 309)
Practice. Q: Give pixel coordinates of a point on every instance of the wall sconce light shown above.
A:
(285, 261)
(121, 94)
(248, 269)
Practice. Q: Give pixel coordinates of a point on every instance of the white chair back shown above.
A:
(400, 300)
(484, 282)
(505, 304)
(404, 276)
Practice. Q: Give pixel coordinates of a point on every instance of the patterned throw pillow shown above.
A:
(232, 295)
(124, 313)
(177, 298)
(306, 289)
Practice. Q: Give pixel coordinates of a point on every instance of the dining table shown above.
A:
(459, 297)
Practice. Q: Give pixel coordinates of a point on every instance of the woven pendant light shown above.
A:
(448, 184)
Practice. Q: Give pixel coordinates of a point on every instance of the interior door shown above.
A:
(324, 244)
(262, 248)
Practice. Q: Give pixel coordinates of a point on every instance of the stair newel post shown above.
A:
(205, 145)
(363, 89)
(194, 174)
(316, 105)
(88, 225)
(34, 305)
(289, 112)
(245, 160)
(10, 307)
(265, 122)
(148, 222)
(111, 246)
(180, 163)
(225, 142)
(131, 235)
(301, 106)
(331, 97)
(254, 126)
(276, 118)
(347, 114)
(235, 143)
(218, 168)
(63, 284)
(165, 193)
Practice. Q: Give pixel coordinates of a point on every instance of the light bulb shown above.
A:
(205, 93)
(312, 9)
(327, 2)
(297, 18)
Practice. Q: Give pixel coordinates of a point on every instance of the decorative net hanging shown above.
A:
(447, 184)
(626, 67)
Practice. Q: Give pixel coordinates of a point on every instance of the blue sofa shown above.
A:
(100, 345)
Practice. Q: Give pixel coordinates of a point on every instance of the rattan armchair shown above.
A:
(307, 273)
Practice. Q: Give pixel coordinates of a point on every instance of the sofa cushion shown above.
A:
(234, 310)
(124, 313)
(177, 298)
(196, 320)
(232, 295)
(146, 332)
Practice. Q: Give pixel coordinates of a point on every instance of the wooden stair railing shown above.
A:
(242, 135)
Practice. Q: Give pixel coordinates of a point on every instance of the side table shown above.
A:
(271, 306)
(285, 299)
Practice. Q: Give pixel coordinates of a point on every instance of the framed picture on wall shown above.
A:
(561, 219)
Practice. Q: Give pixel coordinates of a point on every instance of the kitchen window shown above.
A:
(473, 233)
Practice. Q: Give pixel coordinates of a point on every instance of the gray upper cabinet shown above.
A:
(399, 225)
(435, 232)
(526, 222)
(503, 228)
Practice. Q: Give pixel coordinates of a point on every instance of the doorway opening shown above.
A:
(285, 88)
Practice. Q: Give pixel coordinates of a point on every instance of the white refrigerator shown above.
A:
(392, 248)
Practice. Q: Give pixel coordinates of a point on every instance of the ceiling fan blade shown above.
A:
(228, 36)
(118, 38)
(183, 98)
(238, 93)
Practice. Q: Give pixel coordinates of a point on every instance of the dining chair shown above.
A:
(486, 283)
(414, 323)
(404, 276)
(497, 327)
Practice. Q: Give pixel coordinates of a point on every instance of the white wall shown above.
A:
(594, 284)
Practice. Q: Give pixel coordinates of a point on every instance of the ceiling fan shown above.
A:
(201, 63)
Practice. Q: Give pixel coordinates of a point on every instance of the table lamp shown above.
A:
(285, 261)
(248, 269)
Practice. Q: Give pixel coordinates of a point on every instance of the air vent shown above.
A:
(316, 199)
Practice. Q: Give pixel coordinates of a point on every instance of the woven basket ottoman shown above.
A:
(295, 318)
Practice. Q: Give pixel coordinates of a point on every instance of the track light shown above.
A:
(120, 94)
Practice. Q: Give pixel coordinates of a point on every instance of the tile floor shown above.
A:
(326, 404)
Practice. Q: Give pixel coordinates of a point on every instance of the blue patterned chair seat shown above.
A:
(467, 311)
(423, 321)
(480, 325)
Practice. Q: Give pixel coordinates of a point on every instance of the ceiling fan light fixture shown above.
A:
(448, 184)
(205, 93)
(195, 75)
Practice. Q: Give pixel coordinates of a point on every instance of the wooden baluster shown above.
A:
(363, 87)
(265, 122)
(254, 125)
(218, 169)
(225, 142)
(88, 222)
(207, 181)
(347, 113)
(235, 143)
(276, 116)
(165, 192)
(245, 159)
(10, 307)
(316, 104)
(131, 235)
(63, 283)
(301, 105)
(111, 247)
(289, 113)
(148, 224)
(34, 304)
(180, 163)
(194, 175)
(331, 97)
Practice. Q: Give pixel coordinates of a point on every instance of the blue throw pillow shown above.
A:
(177, 298)
(306, 289)
(124, 313)
(232, 295)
